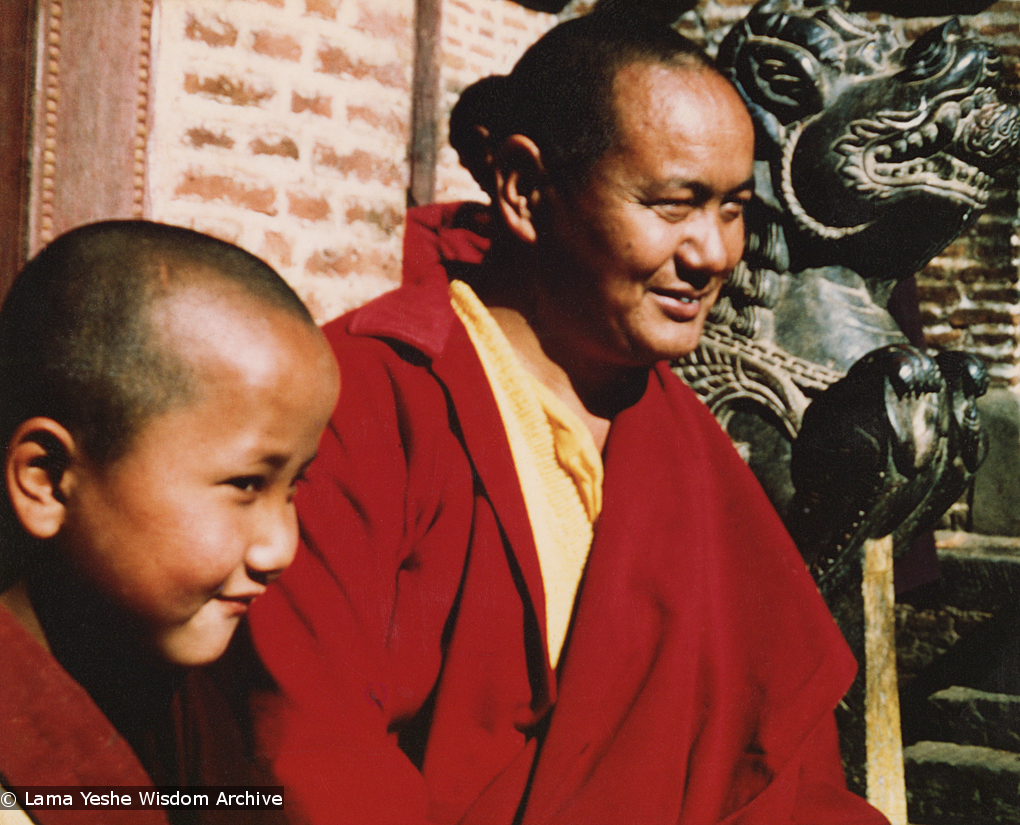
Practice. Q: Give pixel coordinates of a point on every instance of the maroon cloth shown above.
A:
(408, 639)
(52, 733)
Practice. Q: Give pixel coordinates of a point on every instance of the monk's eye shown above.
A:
(673, 209)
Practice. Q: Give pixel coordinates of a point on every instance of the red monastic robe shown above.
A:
(701, 669)
(52, 733)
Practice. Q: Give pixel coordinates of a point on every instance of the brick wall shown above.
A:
(970, 298)
(283, 125)
(479, 37)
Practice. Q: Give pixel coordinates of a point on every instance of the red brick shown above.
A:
(454, 61)
(996, 358)
(334, 60)
(971, 273)
(961, 318)
(200, 136)
(281, 46)
(318, 105)
(382, 25)
(308, 207)
(993, 30)
(276, 3)
(226, 90)
(345, 262)
(943, 340)
(387, 121)
(939, 293)
(382, 217)
(331, 262)
(482, 50)
(217, 32)
(224, 188)
(931, 314)
(284, 148)
(322, 8)
(276, 250)
(994, 339)
(1002, 294)
(363, 165)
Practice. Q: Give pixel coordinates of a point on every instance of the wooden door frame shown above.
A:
(17, 64)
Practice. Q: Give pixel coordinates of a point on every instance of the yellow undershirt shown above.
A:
(558, 465)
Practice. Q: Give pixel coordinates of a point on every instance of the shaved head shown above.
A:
(77, 342)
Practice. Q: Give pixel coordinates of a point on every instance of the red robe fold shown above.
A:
(52, 733)
(408, 640)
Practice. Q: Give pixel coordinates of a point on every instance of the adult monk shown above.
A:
(537, 584)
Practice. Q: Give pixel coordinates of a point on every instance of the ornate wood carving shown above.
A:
(91, 114)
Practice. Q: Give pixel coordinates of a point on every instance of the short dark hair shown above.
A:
(76, 339)
(560, 92)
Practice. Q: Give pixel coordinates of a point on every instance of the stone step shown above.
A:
(979, 572)
(949, 784)
(975, 717)
(964, 628)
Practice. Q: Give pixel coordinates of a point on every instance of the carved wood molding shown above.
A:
(17, 29)
(91, 114)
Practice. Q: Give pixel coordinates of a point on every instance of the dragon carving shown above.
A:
(872, 155)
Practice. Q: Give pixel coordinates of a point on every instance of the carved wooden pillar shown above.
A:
(91, 114)
(16, 36)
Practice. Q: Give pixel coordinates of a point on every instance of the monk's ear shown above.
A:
(520, 180)
(38, 475)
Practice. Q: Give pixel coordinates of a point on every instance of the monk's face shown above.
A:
(636, 258)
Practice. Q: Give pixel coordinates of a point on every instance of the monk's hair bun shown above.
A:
(479, 123)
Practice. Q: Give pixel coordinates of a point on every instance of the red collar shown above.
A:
(419, 313)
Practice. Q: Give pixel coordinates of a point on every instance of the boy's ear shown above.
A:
(36, 471)
(520, 180)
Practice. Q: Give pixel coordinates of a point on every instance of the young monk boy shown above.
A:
(162, 394)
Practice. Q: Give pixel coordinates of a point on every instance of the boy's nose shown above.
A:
(274, 546)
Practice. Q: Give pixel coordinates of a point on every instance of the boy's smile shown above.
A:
(197, 517)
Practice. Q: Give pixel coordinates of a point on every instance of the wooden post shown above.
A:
(424, 149)
(883, 741)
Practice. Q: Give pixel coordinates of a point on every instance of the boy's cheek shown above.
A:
(200, 640)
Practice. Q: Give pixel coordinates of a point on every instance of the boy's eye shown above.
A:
(248, 484)
(298, 479)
